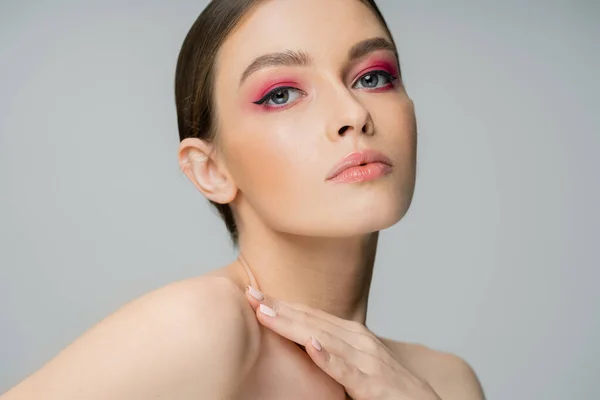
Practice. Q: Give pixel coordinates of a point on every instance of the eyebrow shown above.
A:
(300, 58)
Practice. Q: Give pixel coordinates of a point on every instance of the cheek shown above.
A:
(407, 120)
(272, 160)
(396, 121)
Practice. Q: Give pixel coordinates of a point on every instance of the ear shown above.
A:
(199, 163)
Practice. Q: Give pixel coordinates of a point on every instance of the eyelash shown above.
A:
(271, 95)
(393, 80)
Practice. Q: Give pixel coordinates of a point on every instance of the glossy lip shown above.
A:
(357, 158)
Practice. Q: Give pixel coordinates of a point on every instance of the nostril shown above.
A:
(343, 129)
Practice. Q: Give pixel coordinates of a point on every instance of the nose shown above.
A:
(348, 116)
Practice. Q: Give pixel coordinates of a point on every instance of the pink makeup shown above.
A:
(361, 166)
(377, 63)
(362, 173)
(269, 85)
(271, 89)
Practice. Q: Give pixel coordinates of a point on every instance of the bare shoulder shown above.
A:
(187, 339)
(450, 376)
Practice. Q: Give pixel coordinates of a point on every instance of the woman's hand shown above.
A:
(346, 350)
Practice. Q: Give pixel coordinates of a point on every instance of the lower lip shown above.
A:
(362, 173)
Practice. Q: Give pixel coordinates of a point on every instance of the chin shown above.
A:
(379, 216)
(350, 220)
(373, 220)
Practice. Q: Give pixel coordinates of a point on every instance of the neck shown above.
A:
(333, 275)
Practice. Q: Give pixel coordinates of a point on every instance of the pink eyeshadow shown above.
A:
(266, 87)
(381, 64)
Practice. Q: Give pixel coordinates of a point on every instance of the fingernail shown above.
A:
(316, 344)
(266, 310)
(257, 294)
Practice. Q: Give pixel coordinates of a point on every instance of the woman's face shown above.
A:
(323, 104)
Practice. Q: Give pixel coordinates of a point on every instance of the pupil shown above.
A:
(370, 80)
(281, 97)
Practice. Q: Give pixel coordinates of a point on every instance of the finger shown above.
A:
(354, 333)
(342, 323)
(282, 324)
(360, 339)
(255, 297)
(365, 342)
(292, 320)
(300, 332)
(296, 322)
(345, 373)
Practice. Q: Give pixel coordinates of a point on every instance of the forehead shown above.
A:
(323, 29)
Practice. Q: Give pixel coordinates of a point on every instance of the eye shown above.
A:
(375, 80)
(280, 96)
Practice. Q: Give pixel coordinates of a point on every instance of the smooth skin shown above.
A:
(164, 345)
(368, 367)
(309, 242)
(347, 351)
(156, 347)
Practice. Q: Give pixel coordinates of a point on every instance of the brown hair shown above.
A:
(194, 77)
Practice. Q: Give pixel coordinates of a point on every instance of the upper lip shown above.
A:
(358, 158)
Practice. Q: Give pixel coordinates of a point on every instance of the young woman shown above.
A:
(294, 122)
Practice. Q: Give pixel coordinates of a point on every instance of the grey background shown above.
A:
(496, 261)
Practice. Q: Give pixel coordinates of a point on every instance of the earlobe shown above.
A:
(201, 167)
